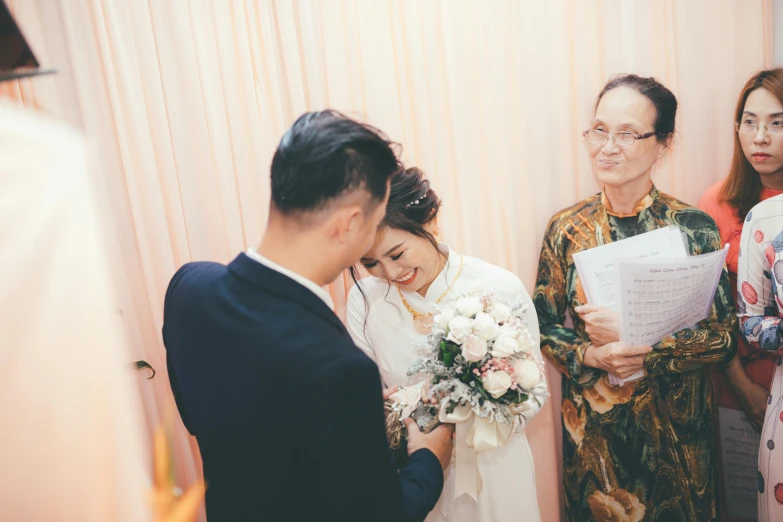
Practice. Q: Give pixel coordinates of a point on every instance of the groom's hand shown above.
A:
(439, 441)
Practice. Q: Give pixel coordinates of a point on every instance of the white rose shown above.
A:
(444, 318)
(474, 349)
(527, 374)
(469, 306)
(526, 344)
(407, 396)
(459, 329)
(485, 326)
(505, 346)
(496, 383)
(500, 312)
(508, 330)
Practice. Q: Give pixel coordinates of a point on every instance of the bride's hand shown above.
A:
(426, 398)
(388, 392)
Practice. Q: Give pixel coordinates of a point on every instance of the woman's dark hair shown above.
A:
(663, 100)
(742, 188)
(412, 206)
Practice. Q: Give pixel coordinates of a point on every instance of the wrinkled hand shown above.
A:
(616, 358)
(388, 392)
(166, 505)
(439, 441)
(753, 399)
(602, 325)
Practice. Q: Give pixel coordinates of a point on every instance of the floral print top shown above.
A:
(760, 307)
(643, 451)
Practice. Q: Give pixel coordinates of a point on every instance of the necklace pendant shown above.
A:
(423, 324)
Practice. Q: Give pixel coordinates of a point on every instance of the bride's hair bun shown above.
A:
(412, 203)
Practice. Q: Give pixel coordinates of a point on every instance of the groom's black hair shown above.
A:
(326, 154)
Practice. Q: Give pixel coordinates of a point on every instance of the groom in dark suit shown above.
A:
(287, 411)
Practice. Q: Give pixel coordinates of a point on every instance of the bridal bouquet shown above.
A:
(480, 366)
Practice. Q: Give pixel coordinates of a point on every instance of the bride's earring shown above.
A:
(437, 238)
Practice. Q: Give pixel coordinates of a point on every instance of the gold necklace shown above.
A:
(422, 323)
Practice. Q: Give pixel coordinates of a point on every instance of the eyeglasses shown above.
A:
(752, 127)
(623, 139)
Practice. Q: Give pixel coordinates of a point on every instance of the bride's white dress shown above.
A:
(383, 328)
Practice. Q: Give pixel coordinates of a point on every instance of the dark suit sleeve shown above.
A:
(171, 301)
(356, 470)
(421, 483)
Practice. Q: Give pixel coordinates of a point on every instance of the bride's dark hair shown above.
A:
(412, 206)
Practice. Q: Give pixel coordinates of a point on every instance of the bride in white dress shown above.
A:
(388, 313)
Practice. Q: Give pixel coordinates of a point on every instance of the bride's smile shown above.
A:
(405, 259)
(406, 278)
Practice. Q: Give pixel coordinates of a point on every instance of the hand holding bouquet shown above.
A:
(480, 365)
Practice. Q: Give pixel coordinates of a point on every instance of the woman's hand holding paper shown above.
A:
(601, 324)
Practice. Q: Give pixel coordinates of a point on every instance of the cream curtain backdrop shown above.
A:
(185, 102)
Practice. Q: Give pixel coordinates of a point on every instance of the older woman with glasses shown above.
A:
(642, 451)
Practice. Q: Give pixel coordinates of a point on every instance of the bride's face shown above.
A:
(402, 258)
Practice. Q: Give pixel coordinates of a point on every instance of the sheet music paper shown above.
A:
(597, 267)
(739, 446)
(664, 296)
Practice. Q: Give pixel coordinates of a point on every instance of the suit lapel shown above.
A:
(283, 286)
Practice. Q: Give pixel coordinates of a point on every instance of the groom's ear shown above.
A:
(345, 222)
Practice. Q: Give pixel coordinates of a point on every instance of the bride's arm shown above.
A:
(356, 321)
(531, 407)
(514, 291)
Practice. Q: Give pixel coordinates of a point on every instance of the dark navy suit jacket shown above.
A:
(287, 411)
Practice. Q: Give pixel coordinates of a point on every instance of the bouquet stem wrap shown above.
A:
(474, 435)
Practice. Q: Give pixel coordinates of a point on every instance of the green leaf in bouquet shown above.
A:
(484, 394)
(515, 397)
(467, 376)
(448, 351)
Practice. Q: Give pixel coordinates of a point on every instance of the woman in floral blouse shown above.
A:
(760, 284)
(756, 174)
(642, 451)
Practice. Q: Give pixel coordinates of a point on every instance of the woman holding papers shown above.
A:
(756, 174)
(642, 450)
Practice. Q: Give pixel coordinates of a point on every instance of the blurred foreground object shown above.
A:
(72, 428)
(16, 57)
(168, 506)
